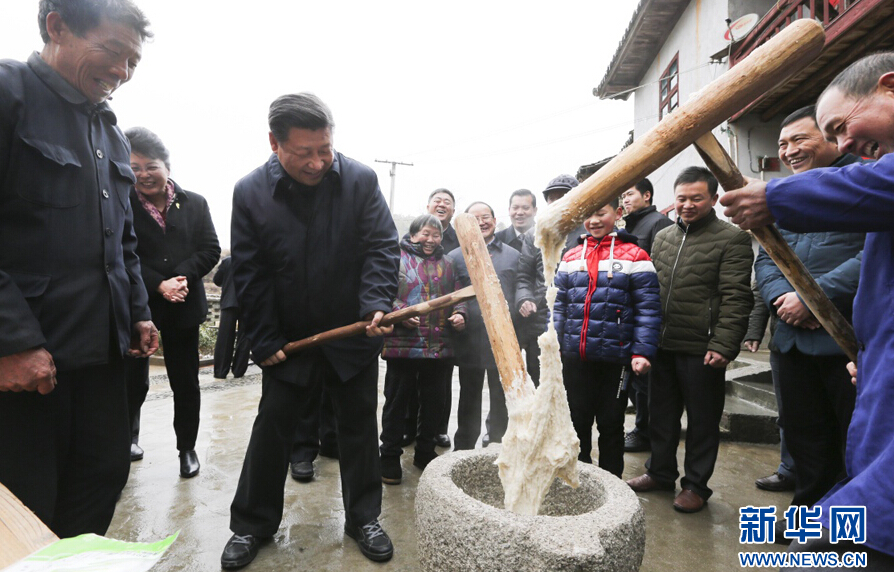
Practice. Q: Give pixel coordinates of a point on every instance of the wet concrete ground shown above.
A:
(157, 502)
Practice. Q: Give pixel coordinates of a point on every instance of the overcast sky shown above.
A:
(482, 97)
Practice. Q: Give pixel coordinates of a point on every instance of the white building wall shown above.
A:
(697, 36)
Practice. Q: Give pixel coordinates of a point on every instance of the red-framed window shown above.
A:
(669, 87)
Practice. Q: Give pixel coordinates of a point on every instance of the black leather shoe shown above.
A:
(240, 551)
(776, 483)
(372, 540)
(136, 452)
(422, 460)
(392, 474)
(442, 440)
(407, 440)
(303, 471)
(485, 441)
(636, 443)
(189, 464)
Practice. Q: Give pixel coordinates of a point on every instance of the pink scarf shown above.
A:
(159, 216)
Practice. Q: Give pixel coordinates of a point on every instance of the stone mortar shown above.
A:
(461, 524)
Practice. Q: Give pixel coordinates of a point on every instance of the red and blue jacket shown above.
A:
(608, 306)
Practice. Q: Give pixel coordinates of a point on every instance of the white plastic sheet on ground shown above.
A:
(92, 553)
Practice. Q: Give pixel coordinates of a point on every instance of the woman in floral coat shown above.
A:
(419, 351)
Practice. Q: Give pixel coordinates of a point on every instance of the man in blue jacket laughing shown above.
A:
(857, 110)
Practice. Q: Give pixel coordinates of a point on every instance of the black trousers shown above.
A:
(181, 353)
(405, 377)
(65, 455)
(594, 392)
(639, 396)
(227, 341)
(683, 381)
(258, 505)
(818, 399)
(532, 358)
(316, 430)
(471, 384)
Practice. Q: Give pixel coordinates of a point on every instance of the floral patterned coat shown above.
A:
(423, 278)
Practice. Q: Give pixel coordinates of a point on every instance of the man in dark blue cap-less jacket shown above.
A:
(314, 247)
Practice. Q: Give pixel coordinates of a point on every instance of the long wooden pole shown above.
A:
(358, 328)
(765, 68)
(720, 163)
(21, 532)
(494, 309)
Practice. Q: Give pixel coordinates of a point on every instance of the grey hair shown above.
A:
(423, 221)
(81, 16)
(468, 208)
(148, 144)
(860, 78)
(298, 110)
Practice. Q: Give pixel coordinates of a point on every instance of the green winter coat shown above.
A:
(704, 270)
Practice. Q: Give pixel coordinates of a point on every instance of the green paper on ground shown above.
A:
(92, 553)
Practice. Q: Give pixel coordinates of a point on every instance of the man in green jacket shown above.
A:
(704, 268)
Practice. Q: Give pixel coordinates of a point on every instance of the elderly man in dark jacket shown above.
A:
(71, 298)
(642, 221)
(314, 247)
(705, 303)
(473, 352)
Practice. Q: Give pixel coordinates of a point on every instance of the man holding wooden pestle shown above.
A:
(857, 111)
(314, 247)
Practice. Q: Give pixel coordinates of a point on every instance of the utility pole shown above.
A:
(393, 174)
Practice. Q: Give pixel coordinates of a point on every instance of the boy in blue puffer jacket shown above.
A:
(607, 316)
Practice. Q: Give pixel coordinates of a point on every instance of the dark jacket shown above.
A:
(757, 320)
(69, 277)
(833, 259)
(306, 260)
(422, 278)
(531, 286)
(509, 237)
(705, 274)
(223, 277)
(472, 345)
(187, 247)
(644, 224)
(449, 240)
(607, 306)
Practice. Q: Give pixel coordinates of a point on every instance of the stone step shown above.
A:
(747, 422)
(749, 412)
(752, 380)
(755, 387)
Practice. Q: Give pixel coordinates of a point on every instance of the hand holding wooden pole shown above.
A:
(358, 328)
(720, 163)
